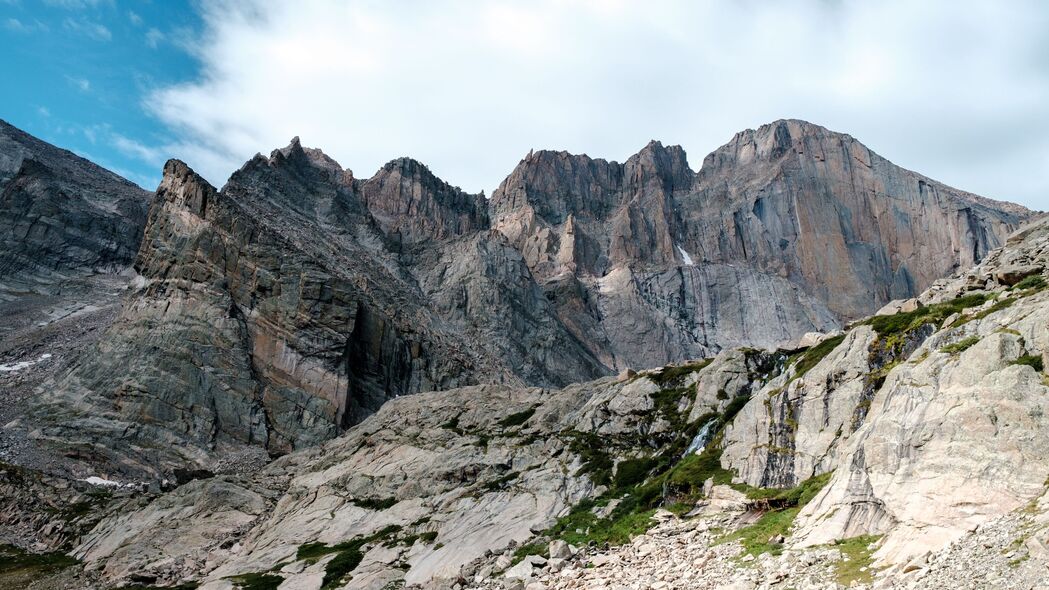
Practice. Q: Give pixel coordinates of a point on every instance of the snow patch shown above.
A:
(8, 368)
(684, 256)
(107, 483)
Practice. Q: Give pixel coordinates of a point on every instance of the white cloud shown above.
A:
(134, 149)
(955, 90)
(88, 28)
(81, 84)
(154, 37)
(17, 26)
(134, 18)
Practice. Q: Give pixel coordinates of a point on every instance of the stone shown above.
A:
(560, 550)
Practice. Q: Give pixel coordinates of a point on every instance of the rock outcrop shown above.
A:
(61, 216)
(274, 312)
(815, 227)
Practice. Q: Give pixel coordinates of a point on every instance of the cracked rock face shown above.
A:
(273, 312)
(61, 216)
(807, 221)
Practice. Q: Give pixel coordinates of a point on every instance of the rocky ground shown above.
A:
(700, 553)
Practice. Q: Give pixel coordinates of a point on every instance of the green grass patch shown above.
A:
(1031, 360)
(857, 566)
(517, 419)
(961, 345)
(762, 535)
(16, 560)
(887, 325)
(256, 581)
(1001, 304)
(675, 373)
(374, 503)
(527, 549)
(1032, 282)
(348, 554)
(428, 536)
(811, 357)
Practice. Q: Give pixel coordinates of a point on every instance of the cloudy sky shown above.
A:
(956, 90)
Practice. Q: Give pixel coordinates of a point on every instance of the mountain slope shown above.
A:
(276, 312)
(815, 226)
(298, 299)
(458, 486)
(61, 215)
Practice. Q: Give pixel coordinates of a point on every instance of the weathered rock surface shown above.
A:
(463, 473)
(270, 313)
(61, 216)
(822, 229)
(957, 434)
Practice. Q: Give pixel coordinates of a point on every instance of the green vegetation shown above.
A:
(675, 373)
(428, 536)
(527, 549)
(856, 565)
(763, 536)
(901, 323)
(16, 560)
(961, 345)
(1031, 360)
(453, 425)
(256, 581)
(811, 357)
(348, 555)
(517, 419)
(1031, 282)
(1002, 303)
(374, 503)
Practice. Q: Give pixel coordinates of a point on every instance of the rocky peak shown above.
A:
(411, 204)
(666, 167)
(184, 188)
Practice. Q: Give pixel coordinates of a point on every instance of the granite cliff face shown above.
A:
(298, 299)
(907, 452)
(61, 216)
(813, 226)
(279, 310)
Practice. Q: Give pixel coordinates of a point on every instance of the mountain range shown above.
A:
(227, 364)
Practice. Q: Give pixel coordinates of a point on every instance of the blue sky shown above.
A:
(78, 71)
(954, 89)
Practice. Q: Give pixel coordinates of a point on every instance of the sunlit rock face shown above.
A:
(786, 226)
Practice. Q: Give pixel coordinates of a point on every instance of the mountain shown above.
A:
(786, 229)
(908, 451)
(60, 215)
(295, 301)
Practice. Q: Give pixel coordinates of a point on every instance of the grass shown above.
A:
(761, 536)
(527, 549)
(1031, 282)
(961, 345)
(517, 419)
(374, 503)
(256, 581)
(811, 357)
(16, 560)
(675, 373)
(1031, 360)
(348, 555)
(901, 323)
(856, 563)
